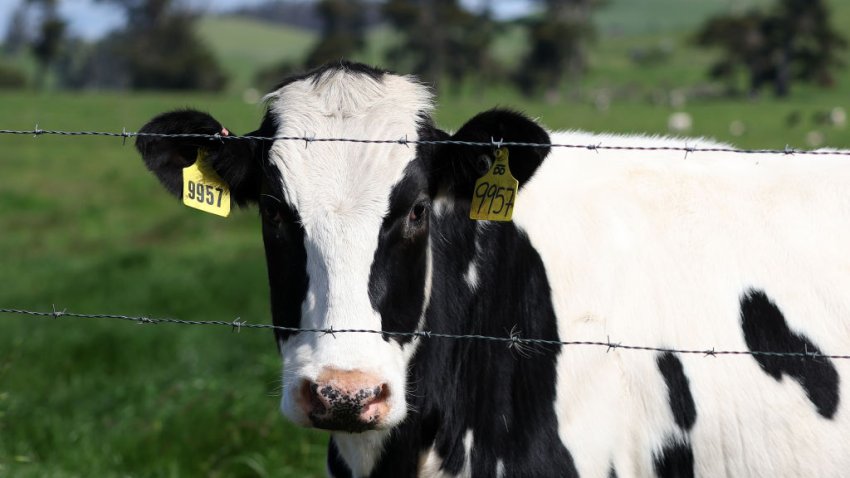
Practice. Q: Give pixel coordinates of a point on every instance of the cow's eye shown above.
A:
(272, 216)
(274, 211)
(417, 219)
(418, 212)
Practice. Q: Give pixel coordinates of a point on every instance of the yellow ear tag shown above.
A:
(495, 192)
(204, 189)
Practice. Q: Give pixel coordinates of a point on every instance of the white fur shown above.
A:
(430, 463)
(361, 450)
(468, 443)
(341, 192)
(654, 248)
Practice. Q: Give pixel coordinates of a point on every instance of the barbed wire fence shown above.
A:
(513, 340)
(685, 148)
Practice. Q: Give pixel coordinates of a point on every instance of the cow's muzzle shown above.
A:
(349, 401)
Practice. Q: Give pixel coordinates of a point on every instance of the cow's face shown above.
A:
(346, 234)
(346, 227)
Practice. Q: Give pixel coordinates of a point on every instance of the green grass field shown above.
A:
(84, 226)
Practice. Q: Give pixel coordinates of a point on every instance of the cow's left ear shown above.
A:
(236, 161)
(459, 166)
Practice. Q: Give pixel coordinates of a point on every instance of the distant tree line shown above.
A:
(442, 41)
(793, 41)
(156, 49)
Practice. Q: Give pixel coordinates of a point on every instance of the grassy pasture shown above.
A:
(83, 225)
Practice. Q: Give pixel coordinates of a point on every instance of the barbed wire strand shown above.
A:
(513, 341)
(406, 142)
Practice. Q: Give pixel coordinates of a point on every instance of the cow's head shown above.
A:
(346, 225)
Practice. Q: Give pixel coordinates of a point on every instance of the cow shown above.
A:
(663, 249)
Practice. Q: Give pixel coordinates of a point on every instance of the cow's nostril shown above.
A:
(311, 399)
(382, 393)
(375, 406)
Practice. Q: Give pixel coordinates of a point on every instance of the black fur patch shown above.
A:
(612, 472)
(398, 273)
(766, 330)
(505, 397)
(286, 261)
(678, 391)
(676, 460)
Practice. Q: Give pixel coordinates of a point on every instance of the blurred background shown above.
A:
(84, 226)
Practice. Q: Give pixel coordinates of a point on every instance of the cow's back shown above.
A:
(697, 251)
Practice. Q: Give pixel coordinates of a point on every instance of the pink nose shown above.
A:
(342, 400)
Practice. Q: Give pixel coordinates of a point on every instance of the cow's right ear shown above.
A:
(459, 165)
(236, 161)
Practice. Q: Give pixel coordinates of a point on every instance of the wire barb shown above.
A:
(688, 150)
(496, 144)
(56, 313)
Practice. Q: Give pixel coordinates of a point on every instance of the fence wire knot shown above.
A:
(496, 144)
(810, 355)
(144, 320)
(403, 141)
(56, 313)
(611, 345)
(789, 150)
(515, 339)
(688, 150)
(329, 331)
(710, 353)
(237, 326)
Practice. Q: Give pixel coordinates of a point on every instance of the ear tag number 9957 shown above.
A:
(204, 189)
(495, 192)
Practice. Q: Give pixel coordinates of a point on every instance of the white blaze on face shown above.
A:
(341, 192)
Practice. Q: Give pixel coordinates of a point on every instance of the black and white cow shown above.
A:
(658, 249)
